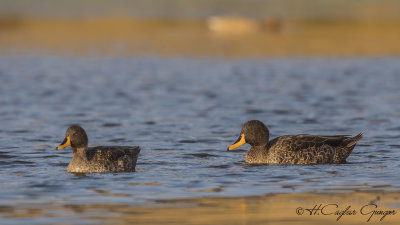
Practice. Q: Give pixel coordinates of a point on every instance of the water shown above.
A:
(184, 113)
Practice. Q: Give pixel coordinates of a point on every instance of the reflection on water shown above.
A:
(184, 113)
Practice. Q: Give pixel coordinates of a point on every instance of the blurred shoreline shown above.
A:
(296, 208)
(216, 36)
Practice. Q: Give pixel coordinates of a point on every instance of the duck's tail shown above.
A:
(351, 142)
(348, 145)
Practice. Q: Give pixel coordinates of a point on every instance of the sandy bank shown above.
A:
(116, 36)
(358, 208)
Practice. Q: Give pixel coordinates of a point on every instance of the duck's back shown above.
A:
(310, 149)
(113, 158)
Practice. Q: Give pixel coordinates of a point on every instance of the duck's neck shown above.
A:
(80, 153)
(79, 162)
(257, 154)
(259, 148)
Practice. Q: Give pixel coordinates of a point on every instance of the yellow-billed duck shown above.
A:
(97, 159)
(293, 149)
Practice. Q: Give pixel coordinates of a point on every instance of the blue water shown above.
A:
(184, 113)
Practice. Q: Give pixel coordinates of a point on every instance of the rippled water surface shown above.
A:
(184, 113)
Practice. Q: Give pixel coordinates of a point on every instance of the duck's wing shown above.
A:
(112, 153)
(306, 141)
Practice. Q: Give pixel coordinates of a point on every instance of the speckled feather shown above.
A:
(101, 158)
(303, 149)
(105, 159)
(295, 149)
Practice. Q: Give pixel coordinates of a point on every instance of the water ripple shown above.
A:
(184, 113)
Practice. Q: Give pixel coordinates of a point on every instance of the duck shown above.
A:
(99, 159)
(302, 149)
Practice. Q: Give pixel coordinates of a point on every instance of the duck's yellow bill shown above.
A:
(65, 143)
(240, 141)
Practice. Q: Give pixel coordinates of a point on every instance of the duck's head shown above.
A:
(254, 132)
(75, 137)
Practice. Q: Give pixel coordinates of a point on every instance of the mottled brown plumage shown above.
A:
(97, 159)
(293, 149)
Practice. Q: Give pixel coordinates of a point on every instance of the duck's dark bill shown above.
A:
(239, 142)
(64, 144)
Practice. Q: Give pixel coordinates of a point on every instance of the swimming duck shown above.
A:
(97, 159)
(293, 149)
